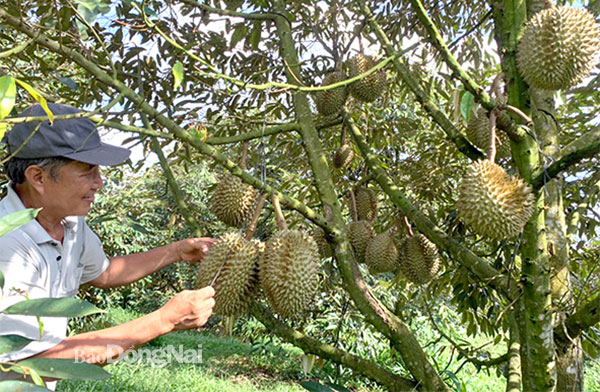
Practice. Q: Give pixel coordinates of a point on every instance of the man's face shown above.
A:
(73, 192)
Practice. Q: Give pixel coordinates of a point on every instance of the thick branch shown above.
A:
(461, 254)
(219, 11)
(326, 351)
(587, 316)
(586, 145)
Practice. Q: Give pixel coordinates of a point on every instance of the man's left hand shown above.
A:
(193, 249)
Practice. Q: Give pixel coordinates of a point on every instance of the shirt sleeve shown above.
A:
(24, 275)
(93, 258)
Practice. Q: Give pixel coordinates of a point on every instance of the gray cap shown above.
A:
(75, 138)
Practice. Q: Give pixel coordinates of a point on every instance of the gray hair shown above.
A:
(15, 167)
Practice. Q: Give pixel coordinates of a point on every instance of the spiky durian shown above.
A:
(330, 102)
(381, 254)
(343, 156)
(360, 234)
(289, 271)
(494, 203)
(322, 244)
(232, 200)
(478, 132)
(418, 259)
(370, 88)
(366, 203)
(234, 287)
(559, 48)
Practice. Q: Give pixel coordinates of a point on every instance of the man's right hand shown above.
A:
(189, 309)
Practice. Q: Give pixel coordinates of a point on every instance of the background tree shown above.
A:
(204, 77)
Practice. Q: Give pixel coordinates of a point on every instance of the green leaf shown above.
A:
(10, 343)
(313, 386)
(466, 104)
(20, 386)
(17, 219)
(338, 388)
(240, 32)
(177, 74)
(1, 280)
(38, 97)
(63, 368)
(256, 34)
(53, 307)
(8, 94)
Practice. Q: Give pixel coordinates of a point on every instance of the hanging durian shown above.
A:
(494, 203)
(232, 200)
(330, 102)
(360, 234)
(559, 48)
(371, 87)
(367, 203)
(478, 133)
(344, 155)
(418, 259)
(322, 244)
(236, 282)
(381, 254)
(288, 270)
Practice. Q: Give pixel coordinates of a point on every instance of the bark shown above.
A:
(513, 378)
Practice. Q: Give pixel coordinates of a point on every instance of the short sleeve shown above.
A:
(93, 258)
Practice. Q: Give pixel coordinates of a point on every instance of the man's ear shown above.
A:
(36, 177)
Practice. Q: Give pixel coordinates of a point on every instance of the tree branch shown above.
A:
(587, 316)
(326, 351)
(586, 145)
(219, 11)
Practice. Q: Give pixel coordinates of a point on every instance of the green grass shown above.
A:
(229, 364)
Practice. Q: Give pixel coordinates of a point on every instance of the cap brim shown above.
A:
(105, 155)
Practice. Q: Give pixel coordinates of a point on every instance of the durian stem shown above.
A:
(360, 45)
(495, 87)
(407, 225)
(343, 135)
(251, 229)
(353, 209)
(278, 213)
(526, 119)
(244, 155)
(492, 146)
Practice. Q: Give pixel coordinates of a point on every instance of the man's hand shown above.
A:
(193, 249)
(188, 309)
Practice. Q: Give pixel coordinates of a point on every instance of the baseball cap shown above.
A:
(75, 138)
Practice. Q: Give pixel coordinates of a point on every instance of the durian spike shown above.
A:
(492, 147)
(244, 155)
(251, 228)
(278, 213)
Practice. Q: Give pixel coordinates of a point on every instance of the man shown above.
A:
(55, 168)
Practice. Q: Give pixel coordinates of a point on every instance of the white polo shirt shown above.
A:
(40, 266)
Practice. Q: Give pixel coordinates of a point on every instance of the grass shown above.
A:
(231, 365)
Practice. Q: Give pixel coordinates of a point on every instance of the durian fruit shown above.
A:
(494, 203)
(235, 285)
(322, 244)
(232, 200)
(289, 271)
(330, 102)
(370, 88)
(366, 203)
(558, 48)
(343, 156)
(419, 260)
(360, 234)
(381, 254)
(478, 133)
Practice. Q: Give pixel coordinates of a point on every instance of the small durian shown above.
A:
(330, 102)
(288, 271)
(321, 240)
(232, 200)
(418, 259)
(370, 88)
(381, 254)
(559, 48)
(367, 203)
(343, 156)
(478, 133)
(235, 285)
(494, 203)
(360, 234)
